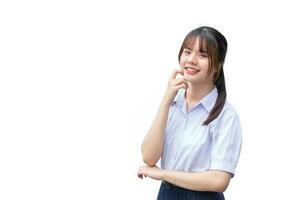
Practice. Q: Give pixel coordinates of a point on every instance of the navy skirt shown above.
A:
(169, 191)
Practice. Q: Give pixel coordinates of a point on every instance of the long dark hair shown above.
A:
(216, 46)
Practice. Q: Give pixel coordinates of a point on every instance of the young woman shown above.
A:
(196, 132)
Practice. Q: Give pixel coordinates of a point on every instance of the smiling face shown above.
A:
(195, 62)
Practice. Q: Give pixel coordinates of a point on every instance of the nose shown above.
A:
(192, 59)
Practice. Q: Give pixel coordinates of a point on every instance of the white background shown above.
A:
(81, 82)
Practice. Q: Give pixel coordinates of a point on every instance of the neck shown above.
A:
(196, 92)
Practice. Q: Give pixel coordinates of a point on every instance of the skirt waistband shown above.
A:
(169, 191)
(168, 185)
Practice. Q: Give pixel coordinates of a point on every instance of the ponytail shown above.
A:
(221, 99)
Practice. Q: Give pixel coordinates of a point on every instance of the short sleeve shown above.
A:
(226, 143)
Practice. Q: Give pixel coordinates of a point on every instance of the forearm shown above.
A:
(215, 181)
(152, 146)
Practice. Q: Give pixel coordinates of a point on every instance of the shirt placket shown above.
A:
(180, 136)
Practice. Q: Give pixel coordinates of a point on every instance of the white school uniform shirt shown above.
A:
(192, 147)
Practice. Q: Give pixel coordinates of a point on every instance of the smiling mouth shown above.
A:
(191, 69)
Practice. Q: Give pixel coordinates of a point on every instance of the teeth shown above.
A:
(191, 69)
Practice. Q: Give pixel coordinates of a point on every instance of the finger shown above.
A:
(181, 86)
(180, 81)
(140, 175)
(175, 72)
(186, 83)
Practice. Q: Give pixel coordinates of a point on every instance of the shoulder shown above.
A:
(227, 116)
(229, 111)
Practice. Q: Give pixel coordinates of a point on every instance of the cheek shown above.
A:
(181, 62)
(204, 64)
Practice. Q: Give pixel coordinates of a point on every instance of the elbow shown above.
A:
(221, 188)
(221, 185)
(219, 181)
(149, 158)
(149, 161)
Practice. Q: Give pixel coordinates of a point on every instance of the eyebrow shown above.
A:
(191, 50)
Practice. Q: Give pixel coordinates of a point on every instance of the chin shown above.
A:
(190, 79)
(194, 81)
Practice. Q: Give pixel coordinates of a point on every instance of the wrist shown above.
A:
(163, 175)
(166, 102)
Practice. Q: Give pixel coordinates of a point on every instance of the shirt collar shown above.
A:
(208, 101)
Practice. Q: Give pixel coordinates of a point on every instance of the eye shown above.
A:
(186, 52)
(204, 55)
